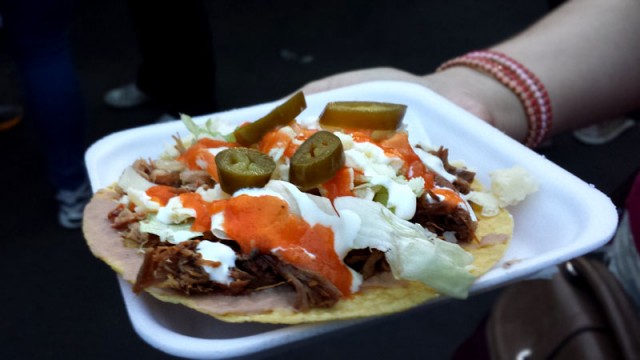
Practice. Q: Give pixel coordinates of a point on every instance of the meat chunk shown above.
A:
(464, 177)
(172, 175)
(177, 267)
(121, 217)
(180, 267)
(165, 177)
(440, 217)
(143, 168)
(312, 289)
(367, 262)
(192, 179)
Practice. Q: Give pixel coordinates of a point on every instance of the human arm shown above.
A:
(586, 54)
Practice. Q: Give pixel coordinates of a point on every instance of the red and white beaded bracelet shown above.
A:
(521, 81)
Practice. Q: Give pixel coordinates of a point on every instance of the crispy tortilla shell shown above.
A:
(379, 295)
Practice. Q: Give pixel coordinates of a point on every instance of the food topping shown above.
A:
(251, 133)
(242, 168)
(202, 154)
(314, 207)
(317, 160)
(367, 115)
(265, 224)
(508, 187)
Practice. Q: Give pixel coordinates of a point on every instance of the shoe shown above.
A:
(604, 132)
(10, 116)
(126, 96)
(71, 205)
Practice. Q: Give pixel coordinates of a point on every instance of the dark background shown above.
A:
(58, 302)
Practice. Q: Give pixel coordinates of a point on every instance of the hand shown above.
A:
(480, 95)
(360, 76)
(446, 88)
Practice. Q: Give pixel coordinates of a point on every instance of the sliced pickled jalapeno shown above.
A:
(363, 115)
(316, 161)
(251, 133)
(242, 168)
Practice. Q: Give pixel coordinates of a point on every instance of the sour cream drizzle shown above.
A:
(223, 258)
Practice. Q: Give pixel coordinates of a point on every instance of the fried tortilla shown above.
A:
(279, 222)
(382, 294)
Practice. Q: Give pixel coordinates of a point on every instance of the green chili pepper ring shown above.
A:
(283, 114)
(243, 168)
(317, 160)
(363, 115)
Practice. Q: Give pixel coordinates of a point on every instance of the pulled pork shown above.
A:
(367, 262)
(175, 267)
(439, 217)
(176, 175)
(121, 217)
(180, 267)
(464, 177)
(312, 289)
(127, 222)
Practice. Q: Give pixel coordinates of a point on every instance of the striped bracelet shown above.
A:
(521, 81)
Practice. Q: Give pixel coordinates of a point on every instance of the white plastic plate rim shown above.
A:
(564, 219)
(174, 343)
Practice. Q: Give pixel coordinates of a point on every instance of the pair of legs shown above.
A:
(38, 35)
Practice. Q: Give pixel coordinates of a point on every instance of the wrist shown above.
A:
(483, 96)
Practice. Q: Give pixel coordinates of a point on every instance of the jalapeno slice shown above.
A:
(363, 115)
(251, 133)
(316, 161)
(242, 168)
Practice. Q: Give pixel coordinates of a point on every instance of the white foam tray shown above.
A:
(564, 219)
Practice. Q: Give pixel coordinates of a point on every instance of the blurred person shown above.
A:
(38, 36)
(582, 61)
(177, 69)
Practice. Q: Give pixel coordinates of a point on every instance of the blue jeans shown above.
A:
(38, 34)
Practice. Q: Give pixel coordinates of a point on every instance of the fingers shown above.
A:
(357, 77)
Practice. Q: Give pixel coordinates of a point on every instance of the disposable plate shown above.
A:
(564, 219)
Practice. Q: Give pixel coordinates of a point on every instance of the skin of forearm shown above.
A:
(483, 96)
(587, 53)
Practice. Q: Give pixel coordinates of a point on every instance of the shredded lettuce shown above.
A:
(208, 129)
(173, 233)
(412, 252)
(130, 179)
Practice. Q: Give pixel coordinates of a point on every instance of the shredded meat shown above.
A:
(192, 179)
(439, 217)
(367, 262)
(312, 289)
(143, 168)
(464, 177)
(121, 217)
(183, 178)
(179, 145)
(127, 222)
(135, 238)
(180, 267)
(165, 177)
